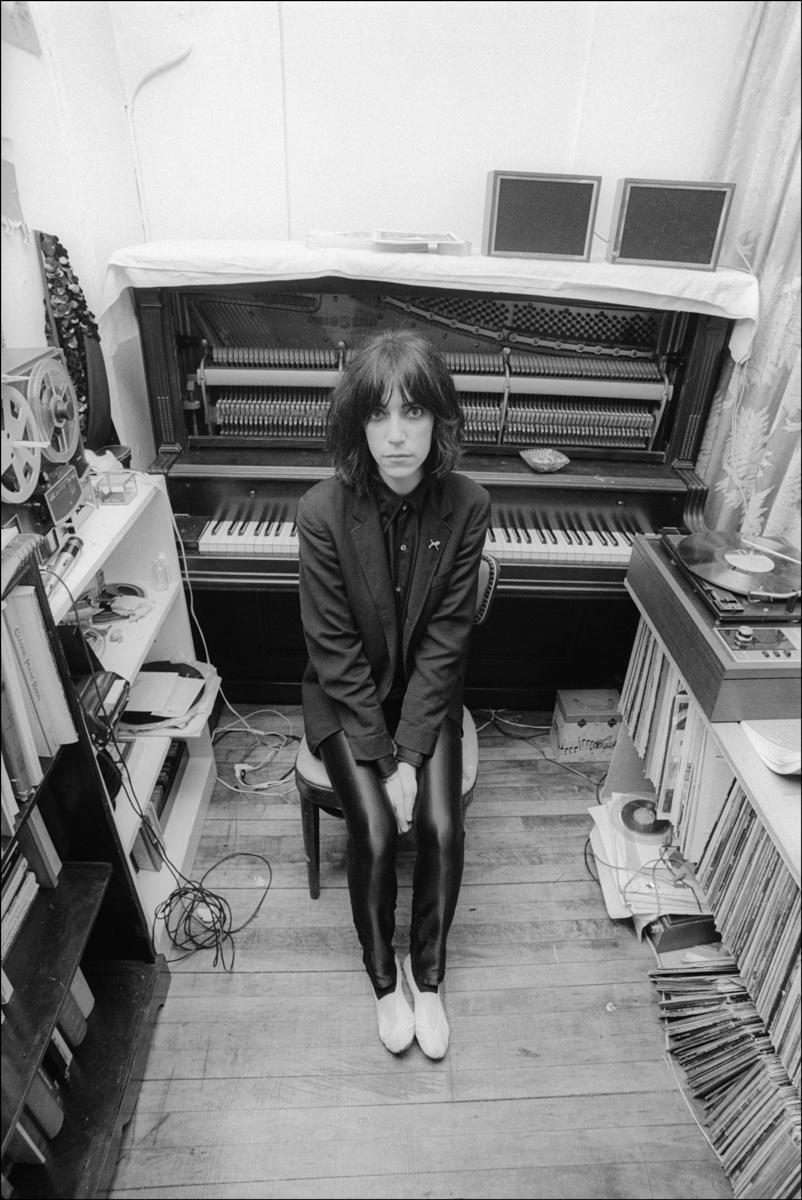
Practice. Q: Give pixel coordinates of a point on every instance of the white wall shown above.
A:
(151, 121)
(63, 115)
(393, 113)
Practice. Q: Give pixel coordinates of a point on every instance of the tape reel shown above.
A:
(636, 819)
(21, 454)
(39, 420)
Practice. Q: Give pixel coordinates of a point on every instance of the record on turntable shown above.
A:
(748, 566)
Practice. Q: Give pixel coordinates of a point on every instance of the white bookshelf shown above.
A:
(121, 541)
(738, 824)
(777, 799)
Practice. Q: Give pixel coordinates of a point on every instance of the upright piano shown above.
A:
(613, 367)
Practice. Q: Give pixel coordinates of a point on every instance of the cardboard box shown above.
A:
(586, 725)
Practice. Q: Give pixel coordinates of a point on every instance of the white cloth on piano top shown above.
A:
(725, 292)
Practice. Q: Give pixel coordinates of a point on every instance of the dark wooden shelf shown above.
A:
(104, 1082)
(26, 807)
(41, 966)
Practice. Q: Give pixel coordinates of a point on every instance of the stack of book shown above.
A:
(20, 888)
(36, 718)
(31, 862)
(391, 241)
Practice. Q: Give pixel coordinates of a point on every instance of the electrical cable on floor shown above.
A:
(244, 768)
(195, 917)
(498, 721)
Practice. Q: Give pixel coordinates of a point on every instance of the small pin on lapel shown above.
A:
(434, 545)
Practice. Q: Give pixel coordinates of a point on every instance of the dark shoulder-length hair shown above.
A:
(404, 360)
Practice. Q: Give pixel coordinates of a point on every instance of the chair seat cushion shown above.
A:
(314, 773)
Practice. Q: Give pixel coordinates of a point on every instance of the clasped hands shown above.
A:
(402, 788)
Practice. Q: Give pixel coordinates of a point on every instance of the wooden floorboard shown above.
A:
(266, 1077)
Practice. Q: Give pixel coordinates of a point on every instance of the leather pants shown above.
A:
(438, 825)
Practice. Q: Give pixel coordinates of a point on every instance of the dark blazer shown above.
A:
(349, 620)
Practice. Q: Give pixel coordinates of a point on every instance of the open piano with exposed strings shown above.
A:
(239, 365)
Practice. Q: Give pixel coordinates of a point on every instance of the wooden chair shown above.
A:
(312, 780)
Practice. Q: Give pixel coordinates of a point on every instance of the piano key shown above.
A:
(514, 537)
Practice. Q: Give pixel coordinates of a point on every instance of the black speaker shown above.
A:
(667, 223)
(539, 216)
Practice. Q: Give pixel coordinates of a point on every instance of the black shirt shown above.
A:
(400, 518)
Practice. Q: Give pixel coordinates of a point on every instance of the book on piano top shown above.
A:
(388, 241)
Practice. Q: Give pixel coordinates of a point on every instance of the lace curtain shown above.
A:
(750, 454)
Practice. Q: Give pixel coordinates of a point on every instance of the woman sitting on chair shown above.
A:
(389, 559)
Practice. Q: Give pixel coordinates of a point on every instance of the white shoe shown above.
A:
(431, 1025)
(394, 1017)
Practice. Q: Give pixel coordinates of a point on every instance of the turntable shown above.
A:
(742, 580)
(727, 610)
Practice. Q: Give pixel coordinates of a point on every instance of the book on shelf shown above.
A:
(18, 909)
(19, 746)
(71, 1020)
(14, 870)
(45, 1103)
(44, 734)
(82, 993)
(27, 1142)
(58, 1056)
(10, 807)
(37, 846)
(24, 623)
(147, 852)
(168, 781)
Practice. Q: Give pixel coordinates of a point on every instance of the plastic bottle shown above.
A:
(161, 572)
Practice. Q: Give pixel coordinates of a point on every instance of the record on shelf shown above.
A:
(753, 566)
(635, 818)
(182, 669)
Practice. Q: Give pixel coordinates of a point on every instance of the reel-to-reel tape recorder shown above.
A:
(45, 477)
